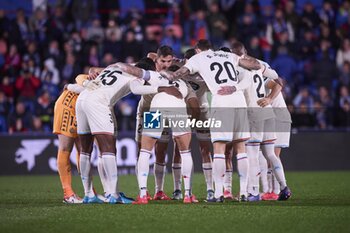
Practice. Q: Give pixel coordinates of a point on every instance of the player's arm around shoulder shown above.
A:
(249, 62)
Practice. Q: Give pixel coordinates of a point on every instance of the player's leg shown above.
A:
(147, 144)
(205, 148)
(263, 177)
(219, 168)
(242, 169)
(64, 167)
(228, 172)
(268, 149)
(159, 168)
(176, 171)
(86, 141)
(183, 142)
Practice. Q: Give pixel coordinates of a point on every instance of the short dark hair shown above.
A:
(164, 51)
(203, 45)
(237, 48)
(146, 64)
(225, 49)
(189, 53)
(173, 68)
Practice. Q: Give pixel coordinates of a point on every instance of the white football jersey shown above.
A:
(162, 99)
(200, 88)
(254, 92)
(114, 84)
(217, 68)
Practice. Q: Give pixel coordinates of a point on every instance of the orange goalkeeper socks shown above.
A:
(64, 170)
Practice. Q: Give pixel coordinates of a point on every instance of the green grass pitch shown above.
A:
(320, 203)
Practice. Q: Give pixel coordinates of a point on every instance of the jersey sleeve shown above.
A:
(138, 88)
(76, 88)
(192, 64)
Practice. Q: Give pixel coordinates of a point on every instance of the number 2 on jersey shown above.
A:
(256, 79)
(109, 77)
(228, 68)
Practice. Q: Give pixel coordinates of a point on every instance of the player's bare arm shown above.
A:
(179, 74)
(132, 70)
(249, 63)
(275, 90)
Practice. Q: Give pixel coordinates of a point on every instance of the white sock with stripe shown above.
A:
(208, 175)
(268, 150)
(243, 170)
(176, 169)
(85, 174)
(263, 173)
(102, 174)
(187, 165)
(254, 169)
(143, 170)
(219, 168)
(228, 181)
(110, 167)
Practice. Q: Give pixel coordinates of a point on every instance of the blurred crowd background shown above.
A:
(44, 44)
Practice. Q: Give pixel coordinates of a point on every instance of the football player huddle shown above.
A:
(245, 117)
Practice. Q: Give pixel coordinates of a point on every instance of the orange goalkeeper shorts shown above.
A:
(64, 121)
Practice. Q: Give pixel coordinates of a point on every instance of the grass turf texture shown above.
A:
(320, 203)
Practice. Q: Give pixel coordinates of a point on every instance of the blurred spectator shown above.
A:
(343, 53)
(70, 69)
(136, 28)
(327, 14)
(309, 17)
(344, 76)
(5, 24)
(344, 103)
(131, 48)
(32, 53)
(113, 30)
(44, 108)
(307, 46)
(303, 100)
(37, 125)
(7, 88)
(278, 26)
(172, 40)
(19, 29)
(247, 26)
(38, 25)
(82, 11)
(303, 118)
(4, 110)
(27, 86)
(112, 45)
(324, 71)
(19, 119)
(254, 48)
(108, 59)
(197, 28)
(282, 41)
(343, 13)
(55, 53)
(50, 72)
(95, 31)
(217, 25)
(279, 64)
(12, 61)
(291, 15)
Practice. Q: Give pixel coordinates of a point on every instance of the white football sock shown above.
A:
(208, 174)
(186, 164)
(85, 173)
(270, 180)
(276, 185)
(159, 174)
(176, 167)
(263, 173)
(110, 167)
(219, 167)
(102, 174)
(143, 170)
(228, 181)
(254, 169)
(243, 170)
(277, 167)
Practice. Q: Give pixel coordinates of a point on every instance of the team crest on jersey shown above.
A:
(151, 120)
